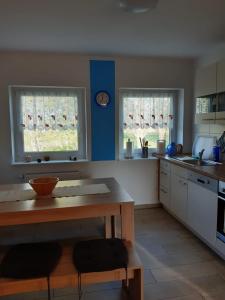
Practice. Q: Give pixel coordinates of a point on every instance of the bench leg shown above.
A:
(110, 227)
(136, 286)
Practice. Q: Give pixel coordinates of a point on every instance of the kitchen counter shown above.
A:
(216, 172)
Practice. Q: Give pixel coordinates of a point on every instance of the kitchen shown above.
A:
(177, 188)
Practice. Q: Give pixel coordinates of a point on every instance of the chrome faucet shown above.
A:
(200, 154)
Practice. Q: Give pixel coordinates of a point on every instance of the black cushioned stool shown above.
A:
(99, 255)
(26, 261)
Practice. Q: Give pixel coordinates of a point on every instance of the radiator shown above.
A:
(62, 175)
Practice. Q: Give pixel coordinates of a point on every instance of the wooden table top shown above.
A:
(117, 195)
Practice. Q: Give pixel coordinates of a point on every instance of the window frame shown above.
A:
(17, 141)
(173, 131)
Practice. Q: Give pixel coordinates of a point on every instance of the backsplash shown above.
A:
(211, 129)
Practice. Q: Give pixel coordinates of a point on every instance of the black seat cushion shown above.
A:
(30, 260)
(100, 255)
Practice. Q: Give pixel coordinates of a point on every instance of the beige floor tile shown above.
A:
(185, 272)
(152, 261)
(103, 286)
(115, 294)
(148, 277)
(208, 284)
(219, 294)
(191, 297)
(166, 290)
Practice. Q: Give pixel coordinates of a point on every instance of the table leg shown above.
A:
(110, 227)
(127, 221)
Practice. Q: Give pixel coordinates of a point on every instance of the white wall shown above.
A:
(138, 177)
(214, 55)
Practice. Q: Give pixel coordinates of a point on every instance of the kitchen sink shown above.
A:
(196, 162)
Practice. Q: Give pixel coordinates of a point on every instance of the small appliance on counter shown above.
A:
(171, 149)
(161, 145)
(217, 153)
(128, 153)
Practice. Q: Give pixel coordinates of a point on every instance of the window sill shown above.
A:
(50, 162)
(138, 158)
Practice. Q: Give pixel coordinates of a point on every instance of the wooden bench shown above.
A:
(65, 275)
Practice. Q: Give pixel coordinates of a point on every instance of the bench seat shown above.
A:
(65, 275)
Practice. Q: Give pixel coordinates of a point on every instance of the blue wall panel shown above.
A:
(102, 77)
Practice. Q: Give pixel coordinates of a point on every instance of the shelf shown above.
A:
(51, 162)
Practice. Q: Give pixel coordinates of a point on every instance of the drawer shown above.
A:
(164, 196)
(179, 171)
(164, 178)
(165, 165)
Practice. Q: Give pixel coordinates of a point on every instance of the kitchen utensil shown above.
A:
(43, 186)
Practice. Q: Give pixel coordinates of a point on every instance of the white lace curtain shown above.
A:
(145, 108)
(48, 108)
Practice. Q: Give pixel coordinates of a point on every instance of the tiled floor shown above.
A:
(177, 265)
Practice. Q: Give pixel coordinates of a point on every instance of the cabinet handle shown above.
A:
(163, 173)
(201, 181)
(162, 190)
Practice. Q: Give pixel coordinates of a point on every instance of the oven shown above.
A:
(221, 212)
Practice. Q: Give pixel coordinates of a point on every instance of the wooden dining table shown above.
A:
(116, 204)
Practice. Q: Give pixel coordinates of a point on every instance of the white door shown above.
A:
(179, 192)
(202, 211)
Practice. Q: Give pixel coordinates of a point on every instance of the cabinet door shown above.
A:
(164, 196)
(164, 178)
(179, 191)
(221, 76)
(164, 188)
(202, 211)
(205, 80)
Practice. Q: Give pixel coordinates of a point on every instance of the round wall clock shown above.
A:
(102, 98)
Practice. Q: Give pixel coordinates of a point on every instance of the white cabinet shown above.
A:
(206, 80)
(221, 76)
(202, 211)
(179, 192)
(164, 187)
(210, 93)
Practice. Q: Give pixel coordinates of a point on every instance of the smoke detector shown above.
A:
(137, 6)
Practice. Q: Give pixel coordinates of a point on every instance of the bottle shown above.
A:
(216, 153)
(128, 149)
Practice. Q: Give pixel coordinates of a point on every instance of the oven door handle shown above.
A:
(221, 198)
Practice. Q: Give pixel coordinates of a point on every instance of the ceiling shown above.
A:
(186, 28)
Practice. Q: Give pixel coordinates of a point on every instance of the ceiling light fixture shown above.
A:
(137, 6)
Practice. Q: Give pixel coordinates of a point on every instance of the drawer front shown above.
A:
(164, 178)
(179, 171)
(165, 165)
(164, 196)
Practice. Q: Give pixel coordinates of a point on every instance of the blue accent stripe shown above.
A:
(102, 77)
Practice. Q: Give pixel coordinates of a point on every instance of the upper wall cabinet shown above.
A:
(206, 80)
(221, 76)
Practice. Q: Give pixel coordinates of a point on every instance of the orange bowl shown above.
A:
(43, 186)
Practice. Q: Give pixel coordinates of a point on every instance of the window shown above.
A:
(147, 114)
(47, 121)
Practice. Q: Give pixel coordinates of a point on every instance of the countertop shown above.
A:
(216, 172)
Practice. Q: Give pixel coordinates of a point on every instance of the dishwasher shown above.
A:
(202, 206)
